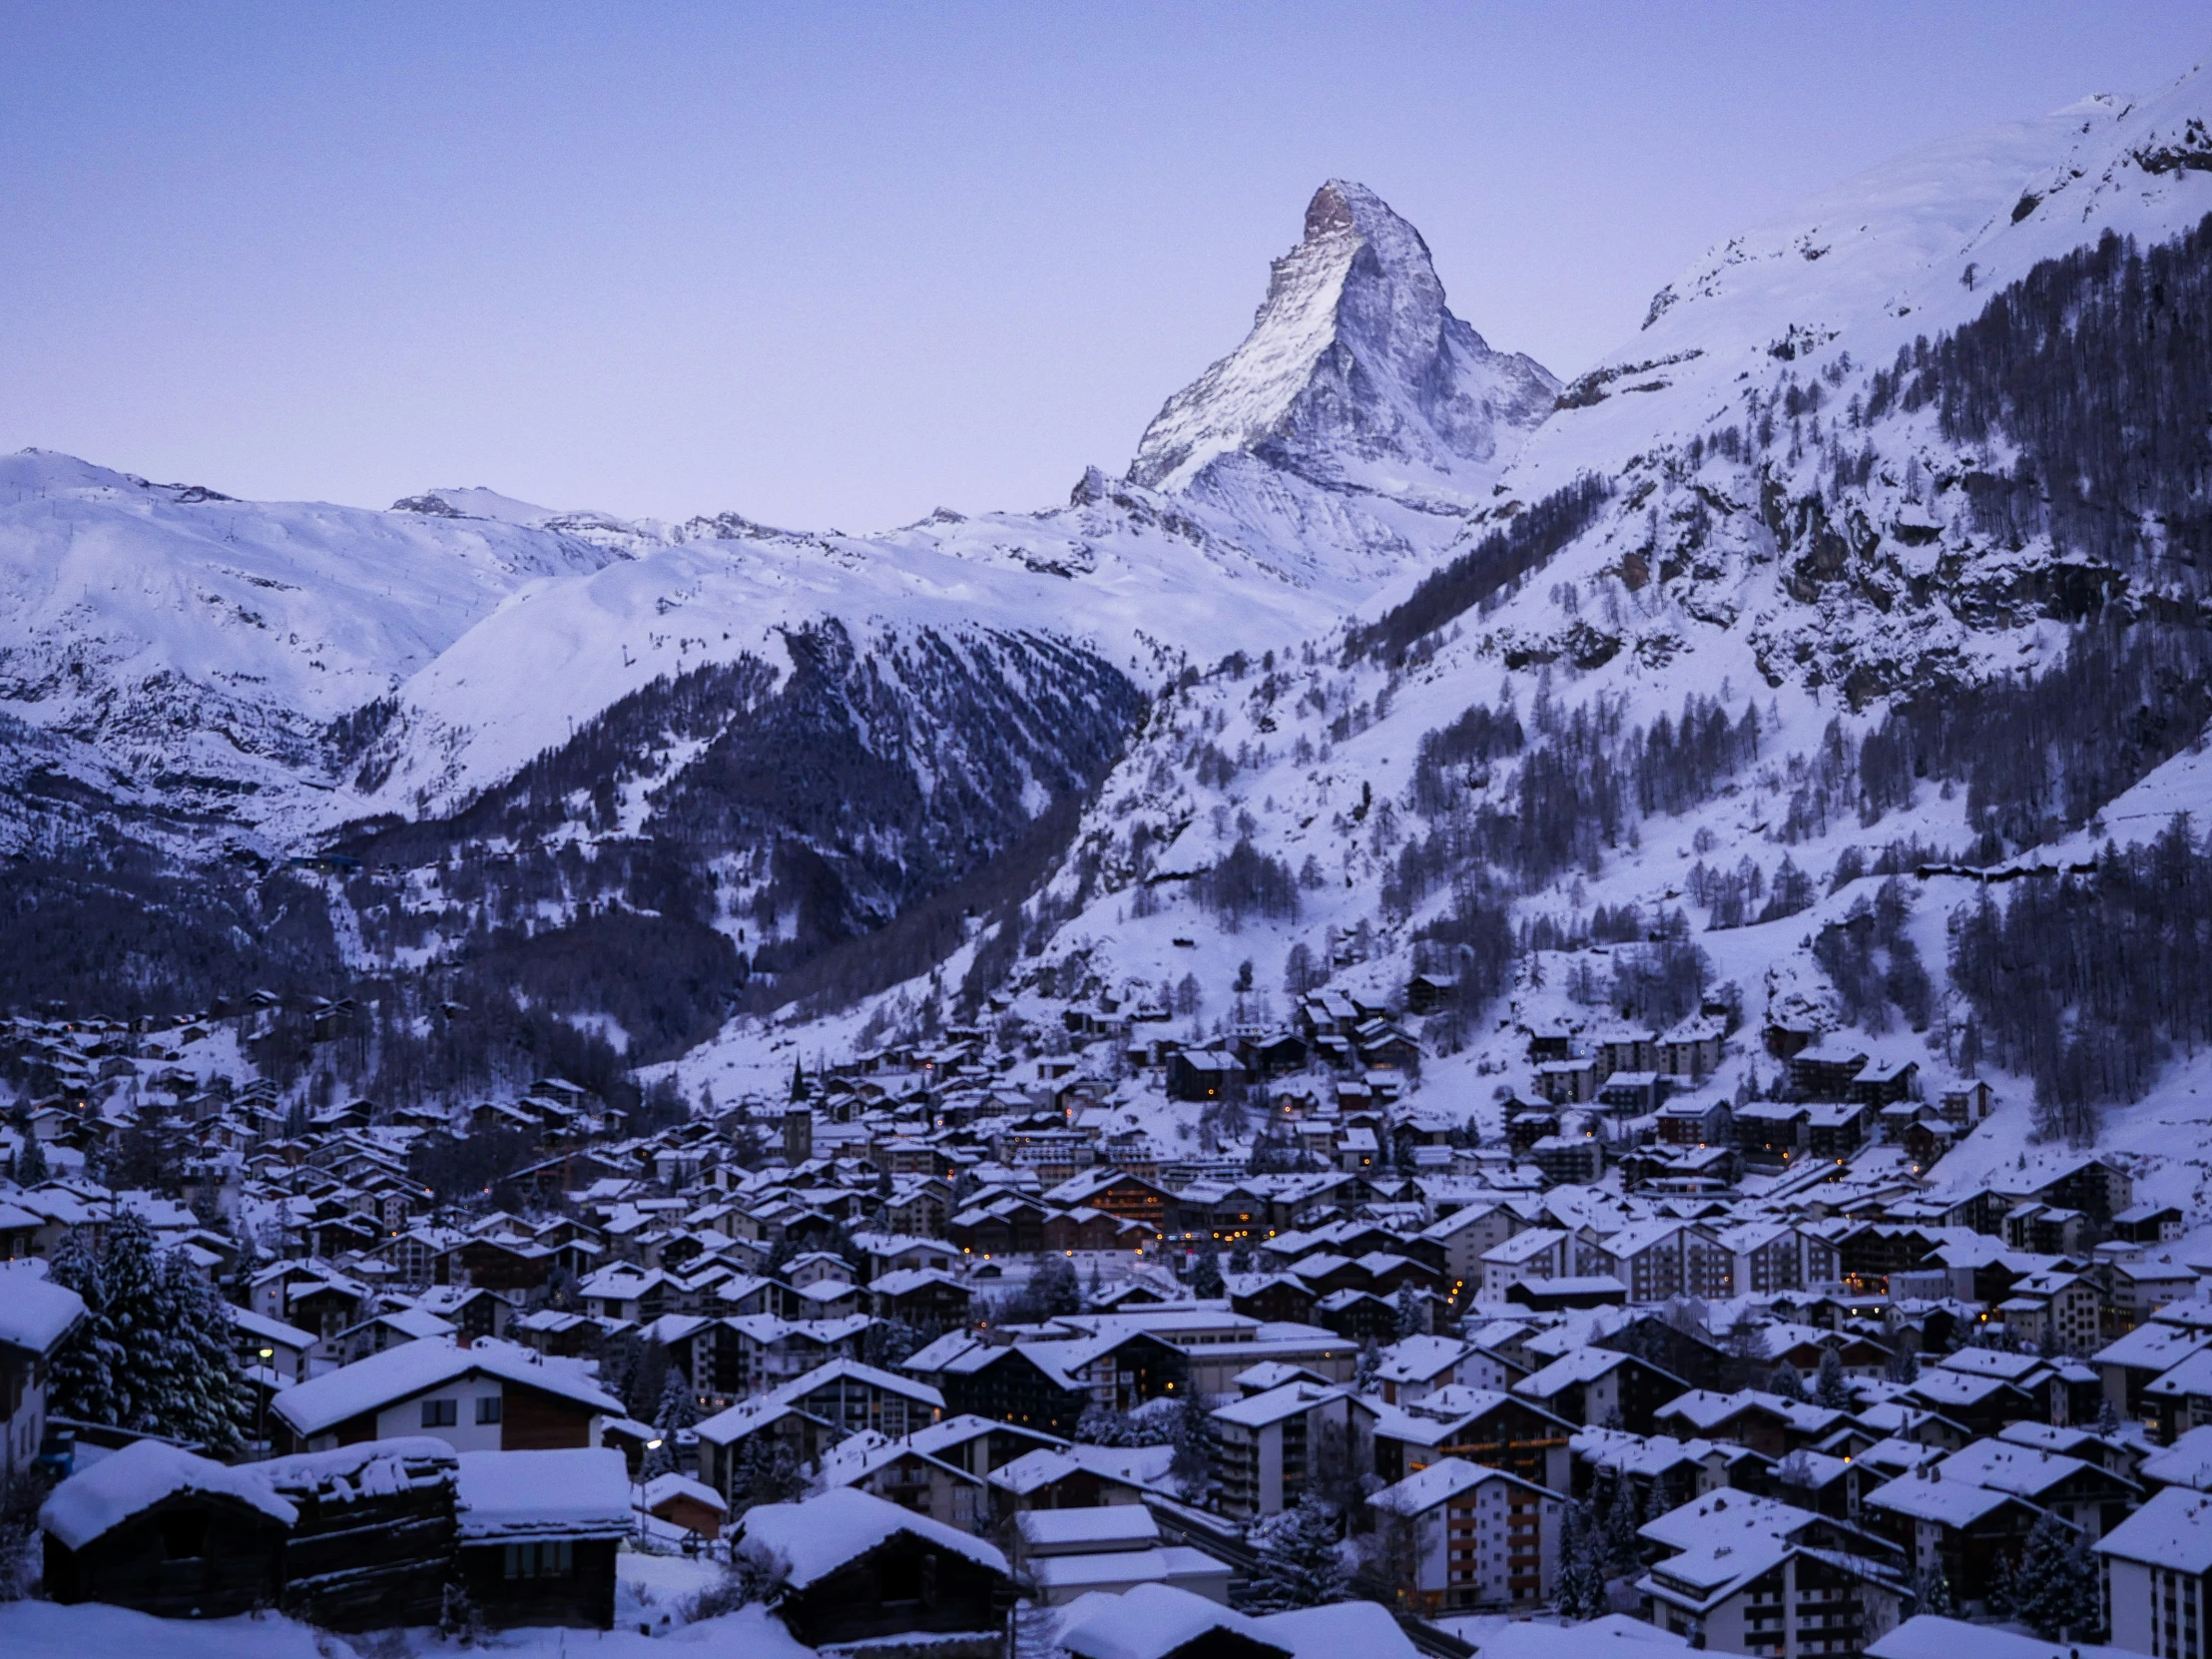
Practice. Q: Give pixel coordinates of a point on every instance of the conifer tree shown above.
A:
(1368, 1368)
(1240, 1255)
(147, 1379)
(1932, 1593)
(1412, 1319)
(30, 1163)
(1786, 1381)
(1193, 1464)
(1830, 1390)
(2057, 1591)
(1623, 1551)
(81, 1376)
(1206, 1279)
(210, 1402)
(1298, 1563)
(1579, 1588)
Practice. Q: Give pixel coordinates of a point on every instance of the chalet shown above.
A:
(1971, 1532)
(2159, 1562)
(919, 1296)
(1824, 1070)
(1748, 1574)
(1204, 1075)
(1477, 1537)
(1119, 1194)
(35, 1319)
(1594, 1386)
(1067, 1553)
(1693, 1047)
(1476, 1425)
(1696, 1122)
(539, 1531)
(853, 1397)
(357, 1539)
(860, 1569)
(488, 1397)
(1271, 1445)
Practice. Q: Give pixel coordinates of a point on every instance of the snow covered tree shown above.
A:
(1412, 1316)
(2108, 1420)
(767, 1472)
(1102, 1425)
(679, 1410)
(1053, 1287)
(1579, 1589)
(1370, 1365)
(2057, 1591)
(81, 1378)
(1192, 1465)
(648, 1382)
(1747, 1349)
(1240, 1255)
(210, 1402)
(147, 1377)
(1932, 1593)
(1785, 1382)
(1298, 1563)
(1903, 1366)
(1623, 1549)
(1830, 1390)
(30, 1162)
(1206, 1279)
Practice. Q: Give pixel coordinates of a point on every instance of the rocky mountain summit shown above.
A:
(1354, 374)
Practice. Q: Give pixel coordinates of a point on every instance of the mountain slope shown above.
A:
(1766, 616)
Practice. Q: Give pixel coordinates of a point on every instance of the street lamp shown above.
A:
(261, 1406)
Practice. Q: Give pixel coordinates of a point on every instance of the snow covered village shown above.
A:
(1466, 1011)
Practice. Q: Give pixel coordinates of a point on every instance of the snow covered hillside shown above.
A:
(1830, 575)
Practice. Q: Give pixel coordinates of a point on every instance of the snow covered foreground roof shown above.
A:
(1152, 1620)
(1927, 1636)
(35, 1314)
(576, 1493)
(130, 1481)
(397, 1373)
(816, 1537)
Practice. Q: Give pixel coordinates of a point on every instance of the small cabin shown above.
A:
(862, 1568)
(538, 1536)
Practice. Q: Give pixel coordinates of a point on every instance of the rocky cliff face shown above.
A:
(1354, 373)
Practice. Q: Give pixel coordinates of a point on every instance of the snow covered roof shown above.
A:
(819, 1537)
(1337, 1629)
(1615, 1633)
(666, 1487)
(34, 1314)
(132, 1481)
(1927, 1636)
(1441, 1481)
(852, 1370)
(2187, 1463)
(1105, 1527)
(2173, 1530)
(1947, 1502)
(1149, 1621)
(323, 1403)
(583, 1492)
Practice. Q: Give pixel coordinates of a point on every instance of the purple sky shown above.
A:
(830, 265)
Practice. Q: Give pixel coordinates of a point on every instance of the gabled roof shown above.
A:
(399, 1373)
(2173, 1530)
(128, 1482)
(816, 1537)
(851, 1371)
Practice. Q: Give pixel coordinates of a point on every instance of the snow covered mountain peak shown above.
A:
(1354, 373)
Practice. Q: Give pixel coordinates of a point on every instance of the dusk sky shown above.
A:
(837, 265)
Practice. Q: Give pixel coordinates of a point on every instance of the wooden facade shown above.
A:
(192, 1555)
(903, 1586)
